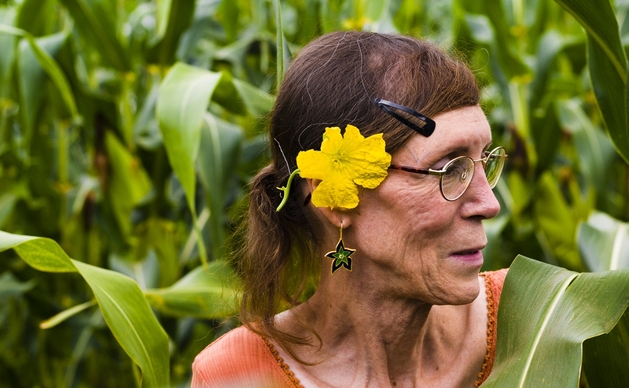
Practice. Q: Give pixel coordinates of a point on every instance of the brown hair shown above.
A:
(332, 82)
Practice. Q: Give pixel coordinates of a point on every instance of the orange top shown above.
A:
(241, 358)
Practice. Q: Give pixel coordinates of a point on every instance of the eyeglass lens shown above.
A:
(460, 171)
(494, 165)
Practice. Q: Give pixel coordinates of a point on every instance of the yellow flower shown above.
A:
(343, 163)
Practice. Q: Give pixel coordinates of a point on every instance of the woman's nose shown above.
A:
(479, 197)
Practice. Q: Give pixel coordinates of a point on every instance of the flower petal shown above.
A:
(332, 141)
(313, 164)
(344, 162)
(336, 191)
(371, 162)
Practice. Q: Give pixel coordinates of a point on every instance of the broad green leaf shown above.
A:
(608, 66)
(610, 90)
(93, 20)
(121, 301)
(128, 182)
(605, 358)
(40, 253)
(131, 320)
(182, 102)
(209, 294)
(600, 22)
(220, 142)
(604, 243)
(545, 314)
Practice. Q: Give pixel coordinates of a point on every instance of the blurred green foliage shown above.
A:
(129, 130)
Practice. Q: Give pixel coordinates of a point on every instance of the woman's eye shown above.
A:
(456, 169)
(440, 164)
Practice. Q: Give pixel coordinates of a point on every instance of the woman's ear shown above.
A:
(337, 217)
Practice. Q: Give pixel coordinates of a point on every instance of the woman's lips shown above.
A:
(470, 257)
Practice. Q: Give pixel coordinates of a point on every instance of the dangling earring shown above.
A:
(341, 256)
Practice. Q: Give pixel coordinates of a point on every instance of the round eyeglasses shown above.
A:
(456, 175)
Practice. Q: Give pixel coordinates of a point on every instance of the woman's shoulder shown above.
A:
(239, 358)
(231, 346)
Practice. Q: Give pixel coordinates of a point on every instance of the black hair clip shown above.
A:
(425, 126)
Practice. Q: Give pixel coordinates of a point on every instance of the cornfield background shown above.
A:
(129, 130)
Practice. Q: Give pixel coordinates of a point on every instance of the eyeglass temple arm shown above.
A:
(416, 170)
(426, 129)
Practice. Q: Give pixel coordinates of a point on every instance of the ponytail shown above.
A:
(276, 261)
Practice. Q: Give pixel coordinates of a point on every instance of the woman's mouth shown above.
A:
(472, 257)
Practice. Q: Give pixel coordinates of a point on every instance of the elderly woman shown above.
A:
(372, 243)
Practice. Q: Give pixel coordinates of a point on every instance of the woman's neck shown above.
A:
(369, 338)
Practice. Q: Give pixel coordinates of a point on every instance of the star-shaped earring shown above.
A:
(341, 256)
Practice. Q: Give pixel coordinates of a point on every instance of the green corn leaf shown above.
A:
(545, 315)
(605, 358)
(181, 104)
(121, 301)
(611, 95)
(608, 66)
(210, 293)
(604, 243)
(599, 20)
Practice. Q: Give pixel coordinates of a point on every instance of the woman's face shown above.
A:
(414, 242)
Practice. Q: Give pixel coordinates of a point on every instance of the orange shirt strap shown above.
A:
(493, 288)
